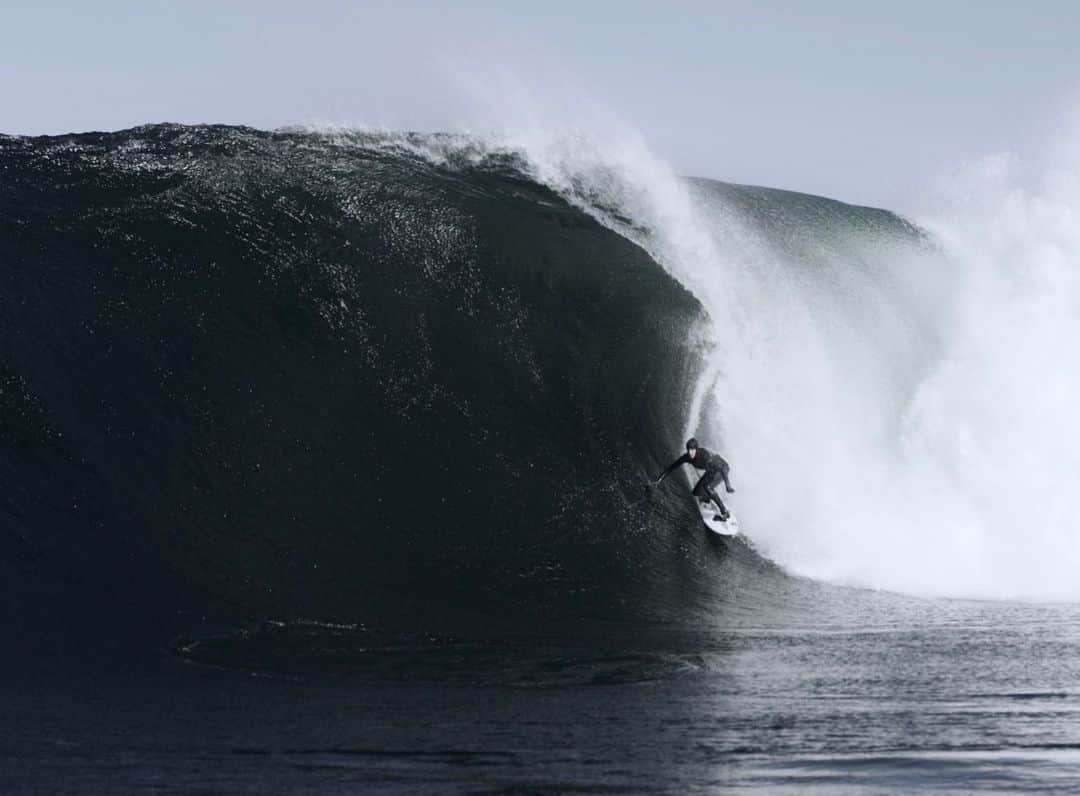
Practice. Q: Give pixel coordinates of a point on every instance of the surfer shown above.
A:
(714, 466)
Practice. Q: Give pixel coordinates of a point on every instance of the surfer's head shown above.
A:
(691, 447)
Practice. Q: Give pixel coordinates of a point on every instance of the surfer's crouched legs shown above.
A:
(724, 513)
(704, 492)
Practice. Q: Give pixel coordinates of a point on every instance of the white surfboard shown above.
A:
(708, 512)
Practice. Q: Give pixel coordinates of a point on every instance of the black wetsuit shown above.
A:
(714, 466)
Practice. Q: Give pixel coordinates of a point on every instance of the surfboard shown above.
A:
(708, 511)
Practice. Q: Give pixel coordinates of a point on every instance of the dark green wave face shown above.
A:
(315, 378)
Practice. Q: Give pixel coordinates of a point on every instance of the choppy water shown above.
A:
(914, 695)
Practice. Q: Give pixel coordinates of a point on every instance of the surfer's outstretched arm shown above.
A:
(677, 463)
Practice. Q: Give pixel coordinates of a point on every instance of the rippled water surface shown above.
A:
(864, 693)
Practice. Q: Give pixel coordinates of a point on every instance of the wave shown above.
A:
(336, 378)
(895, 398)
(363, 376)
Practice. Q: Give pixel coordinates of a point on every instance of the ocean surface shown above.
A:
(327, 459)
(869, 694)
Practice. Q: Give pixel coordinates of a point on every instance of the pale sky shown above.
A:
(865, 101)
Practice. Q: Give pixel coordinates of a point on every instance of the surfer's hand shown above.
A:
(730, 489)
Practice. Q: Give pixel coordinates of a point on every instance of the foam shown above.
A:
(898, 414)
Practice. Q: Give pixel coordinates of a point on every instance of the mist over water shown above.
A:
(897, 401)
(996, 419)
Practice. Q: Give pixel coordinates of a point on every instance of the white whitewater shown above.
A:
(898, 415)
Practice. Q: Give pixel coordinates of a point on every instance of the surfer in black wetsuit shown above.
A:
(714, 466)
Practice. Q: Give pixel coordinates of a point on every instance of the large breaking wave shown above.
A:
(334, 378)
(897, 401)
(361, 375)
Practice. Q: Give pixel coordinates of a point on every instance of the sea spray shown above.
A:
(897, 406)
